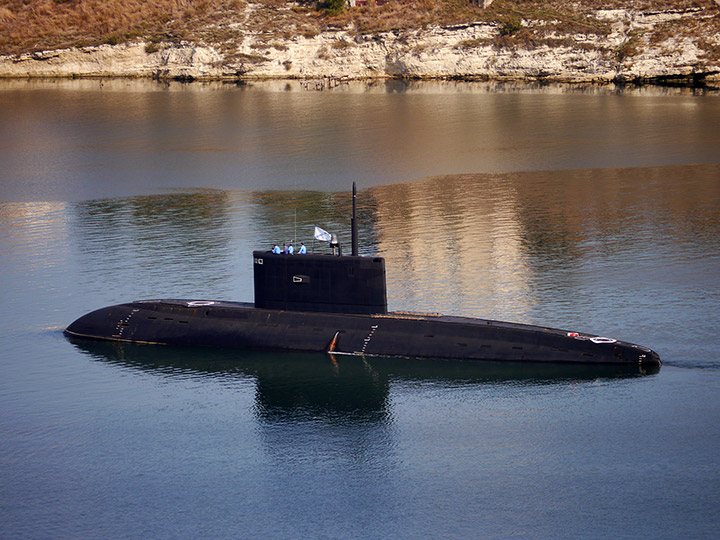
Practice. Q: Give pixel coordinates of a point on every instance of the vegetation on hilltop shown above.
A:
(35, 25)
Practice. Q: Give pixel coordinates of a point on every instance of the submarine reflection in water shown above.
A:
(320, 386)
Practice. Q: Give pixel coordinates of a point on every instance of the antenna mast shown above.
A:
(353, 225)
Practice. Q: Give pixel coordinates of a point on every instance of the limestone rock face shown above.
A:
(128, 60)
(467, 51)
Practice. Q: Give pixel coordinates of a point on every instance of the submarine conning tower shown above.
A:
(321, 283)
(325, 283)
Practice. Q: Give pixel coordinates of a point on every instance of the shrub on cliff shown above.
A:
(332, 7)
(510, 26)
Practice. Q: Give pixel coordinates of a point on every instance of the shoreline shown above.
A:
(637, 50)
(357, 85)
(693, 81)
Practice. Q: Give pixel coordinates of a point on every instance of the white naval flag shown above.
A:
(322, 235)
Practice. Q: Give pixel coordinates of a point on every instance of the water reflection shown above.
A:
(35, 246)
(76, 140)
(527, 244)
(319, 387)
(155, 238)
(189, 223)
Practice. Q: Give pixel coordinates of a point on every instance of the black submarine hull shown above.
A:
(244, 326)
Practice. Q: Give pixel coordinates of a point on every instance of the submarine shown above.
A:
(335, 303)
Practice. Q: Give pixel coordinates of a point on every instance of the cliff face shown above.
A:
(636, 46)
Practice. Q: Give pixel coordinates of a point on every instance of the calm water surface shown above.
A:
(586, 209)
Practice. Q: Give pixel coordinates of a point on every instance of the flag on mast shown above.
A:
(322, 235)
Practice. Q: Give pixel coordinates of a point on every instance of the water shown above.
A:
(583, 209)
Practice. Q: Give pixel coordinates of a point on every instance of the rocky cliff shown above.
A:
(639, 46)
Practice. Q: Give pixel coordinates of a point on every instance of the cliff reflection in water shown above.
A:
(521, 245)
(172, 238)
(320, 387)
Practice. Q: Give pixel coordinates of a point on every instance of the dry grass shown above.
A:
(393, 16)
(29, 25)
(32, 25)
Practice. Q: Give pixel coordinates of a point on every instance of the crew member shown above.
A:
(302, 250)
(276, 249)
(291, 249)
